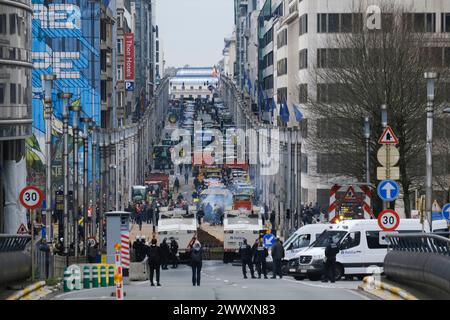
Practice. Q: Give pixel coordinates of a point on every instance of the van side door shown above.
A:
(351, 253)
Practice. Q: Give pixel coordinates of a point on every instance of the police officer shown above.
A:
(259, 259)
(245, 251)
(330, 261)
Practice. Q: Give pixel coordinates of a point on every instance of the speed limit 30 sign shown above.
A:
(31, 197)
(388, 220)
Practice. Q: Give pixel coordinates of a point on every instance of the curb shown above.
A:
(26, 291)
(386, 287)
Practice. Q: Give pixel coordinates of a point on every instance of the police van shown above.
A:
(361, 245)
(298, 242)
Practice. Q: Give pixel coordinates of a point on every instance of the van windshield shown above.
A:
(324, 239)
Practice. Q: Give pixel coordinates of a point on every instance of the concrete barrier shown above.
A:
(138, 271)
(27, 290)
(425, 271)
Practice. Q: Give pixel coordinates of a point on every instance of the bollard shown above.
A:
(86, 277)
(111, 276)
(77, 275)
(103, 276)
(94, 277)
(67, 276)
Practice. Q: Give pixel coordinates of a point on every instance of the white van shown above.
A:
(299, 241)
(362, 250)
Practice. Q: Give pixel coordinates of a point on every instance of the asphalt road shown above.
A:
(224, 282)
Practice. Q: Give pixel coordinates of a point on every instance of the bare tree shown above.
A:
(363, 70)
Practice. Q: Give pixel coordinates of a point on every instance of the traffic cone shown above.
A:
(103, 276)
(86, 277)
(94, 277)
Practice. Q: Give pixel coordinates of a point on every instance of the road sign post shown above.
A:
(388, 220)
(388, 156)
(31, 198)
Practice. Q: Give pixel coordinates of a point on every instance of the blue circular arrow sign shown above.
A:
(388, 190)
(446, 211)
(269, 240)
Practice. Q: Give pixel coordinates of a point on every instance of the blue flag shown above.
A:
(249, 84)
(284, 112)
(298, 113)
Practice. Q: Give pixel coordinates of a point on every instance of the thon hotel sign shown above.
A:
(129, 61)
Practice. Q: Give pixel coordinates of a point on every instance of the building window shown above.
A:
(103, 90)
(339, 22)
(12, 93)
(282, 67)
(2, 23)
(2, 93)
(303, 93)
(281, 95)
(445, 22)
(330, 92)
(119, 46)
(268, 82)
(200, 88)
(420, 22)
(346, 22)
(432, 56)
(303, 24)
(192, 88)
(174, 87)
(303, 59)
(282, 38)
(12, 23)
(119, 72)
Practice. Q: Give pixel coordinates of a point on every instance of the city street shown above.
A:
(224, 282)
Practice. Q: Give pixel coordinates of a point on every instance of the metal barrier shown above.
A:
(420, 260)
(11, 243)
(420, 242)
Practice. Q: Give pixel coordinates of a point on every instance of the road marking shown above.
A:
(234, 285)
(316, 285)
(218, 279)
(358, 294)
(226, 281)
(244, 287)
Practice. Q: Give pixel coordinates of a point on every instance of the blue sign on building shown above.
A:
(446, 211)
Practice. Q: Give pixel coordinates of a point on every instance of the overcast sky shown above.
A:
(193, 30)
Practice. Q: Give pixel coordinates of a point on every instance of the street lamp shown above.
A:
(431, 78)
(76, 111)
(94, 128)
(65, 97)
(47, 82)
(367, 138)
(86, 122)
(384, 119)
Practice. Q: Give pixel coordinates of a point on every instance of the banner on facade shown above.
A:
(129, 61)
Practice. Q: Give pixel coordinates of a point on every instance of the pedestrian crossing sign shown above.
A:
(388, 137)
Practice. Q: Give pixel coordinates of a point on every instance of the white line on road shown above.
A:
(315, 285)
(226, 281)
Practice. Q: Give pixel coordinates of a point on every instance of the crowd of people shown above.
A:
(158, 257)
(256, 256)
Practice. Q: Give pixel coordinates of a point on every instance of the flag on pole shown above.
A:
(298, 113)
(284, 111)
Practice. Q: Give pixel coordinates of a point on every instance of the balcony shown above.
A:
(292, 13)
